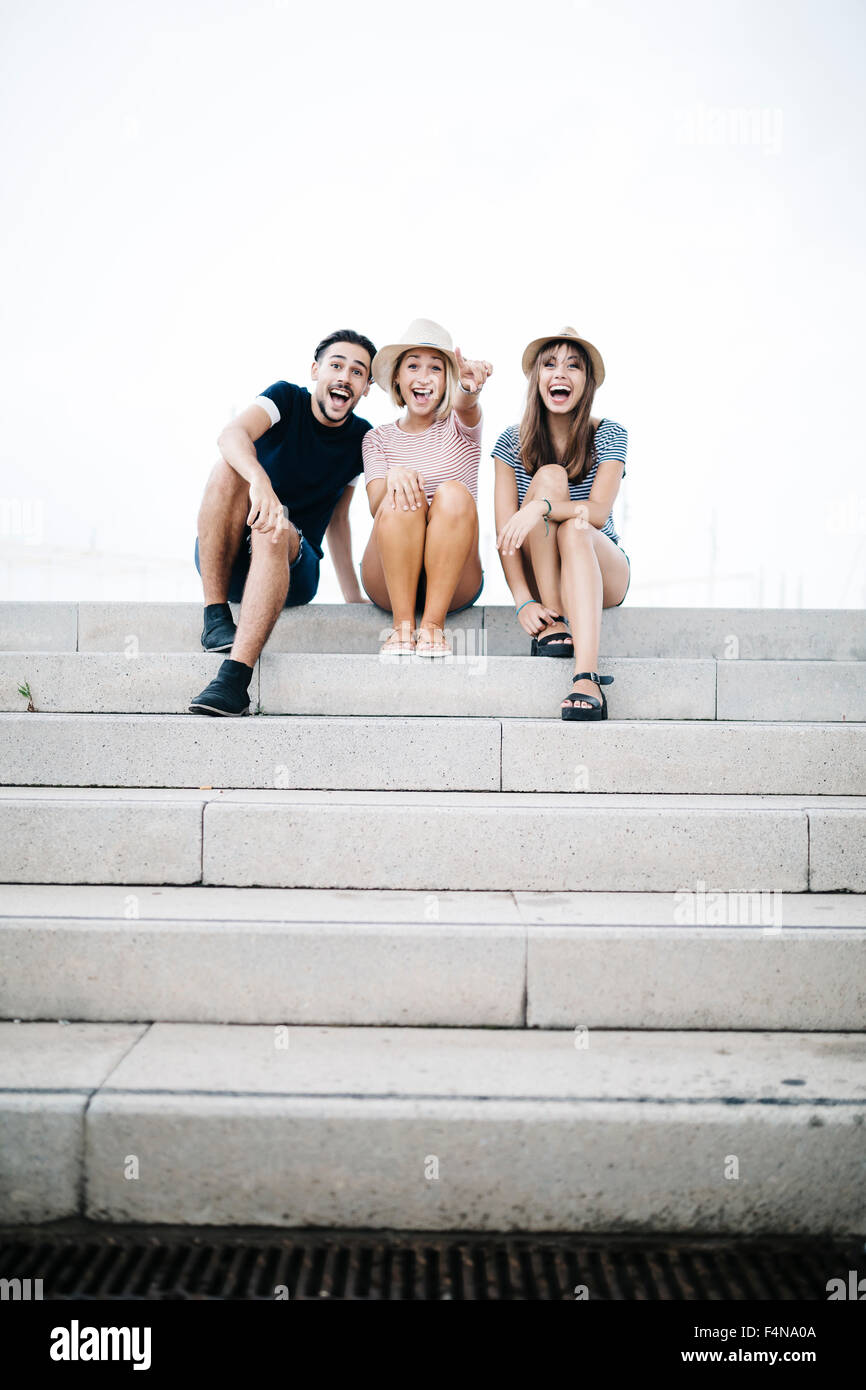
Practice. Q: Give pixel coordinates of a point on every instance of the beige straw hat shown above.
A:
(420, 333)
(565, 335)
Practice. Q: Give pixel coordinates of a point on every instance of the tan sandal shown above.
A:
(402, 647)
(428, 648)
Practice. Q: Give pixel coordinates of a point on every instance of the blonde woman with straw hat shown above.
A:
(422, 483)
(557, 476)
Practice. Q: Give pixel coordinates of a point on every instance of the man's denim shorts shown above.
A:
(303, 572)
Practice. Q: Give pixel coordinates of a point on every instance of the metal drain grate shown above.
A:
(217, 1264)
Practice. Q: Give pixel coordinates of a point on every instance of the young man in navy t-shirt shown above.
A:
(285, 479)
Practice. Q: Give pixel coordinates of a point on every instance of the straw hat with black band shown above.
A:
(565, 335)
(422, 333)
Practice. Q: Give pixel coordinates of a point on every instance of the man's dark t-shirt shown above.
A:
(308, 463)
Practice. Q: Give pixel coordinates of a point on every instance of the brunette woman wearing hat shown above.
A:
(422, 482)
(557, 477)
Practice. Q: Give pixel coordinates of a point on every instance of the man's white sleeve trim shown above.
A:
(269, 406)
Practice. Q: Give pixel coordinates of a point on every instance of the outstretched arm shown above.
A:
(472, 376)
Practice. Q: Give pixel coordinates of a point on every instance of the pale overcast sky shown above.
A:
(194, 193)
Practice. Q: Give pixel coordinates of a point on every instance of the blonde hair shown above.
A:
(446, 405)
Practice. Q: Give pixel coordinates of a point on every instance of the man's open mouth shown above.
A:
(339, 395)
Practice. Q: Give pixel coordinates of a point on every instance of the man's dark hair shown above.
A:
(346, 335)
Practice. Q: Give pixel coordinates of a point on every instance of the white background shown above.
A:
(194, 193)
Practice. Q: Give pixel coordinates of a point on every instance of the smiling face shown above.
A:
(421, 378)
(561, 377)
(342, 377)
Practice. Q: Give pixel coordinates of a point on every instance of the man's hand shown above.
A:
(405, 488)
(518, 527)
(266, 510)
(472, 374)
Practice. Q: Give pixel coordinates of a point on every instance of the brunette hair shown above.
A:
(346, 335)
(446, 405)
(536, 445)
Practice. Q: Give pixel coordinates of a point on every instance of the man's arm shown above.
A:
(237, 445)
(339, 538)
(237, 441)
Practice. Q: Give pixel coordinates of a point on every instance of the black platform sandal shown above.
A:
(598, 708)
(554, 644)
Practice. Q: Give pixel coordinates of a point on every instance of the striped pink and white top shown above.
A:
(446, 449)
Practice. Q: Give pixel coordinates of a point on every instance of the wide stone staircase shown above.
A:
(408, 951)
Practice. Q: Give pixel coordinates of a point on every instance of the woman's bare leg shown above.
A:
(551, 482)
(594, 576)
(392, 562)
(450, 555)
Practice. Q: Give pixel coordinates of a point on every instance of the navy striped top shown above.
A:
(611, 441)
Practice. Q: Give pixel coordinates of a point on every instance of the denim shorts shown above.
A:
(303, 572)
(628, 585)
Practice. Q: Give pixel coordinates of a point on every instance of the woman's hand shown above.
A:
(534, 617)
(518, 527)
(405, 488)
(472, 374)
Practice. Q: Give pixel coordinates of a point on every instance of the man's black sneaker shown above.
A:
(219, 628)
(228, 693)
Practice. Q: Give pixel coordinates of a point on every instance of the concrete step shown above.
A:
(726, 633)
(433, 1129)
(480, 686)
(433, 841)
(497, 960)
(429, 754)
(116, 750)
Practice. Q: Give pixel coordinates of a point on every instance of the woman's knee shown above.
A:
(453, 497)
(389, 517)
(573, 534)
(550, 477)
